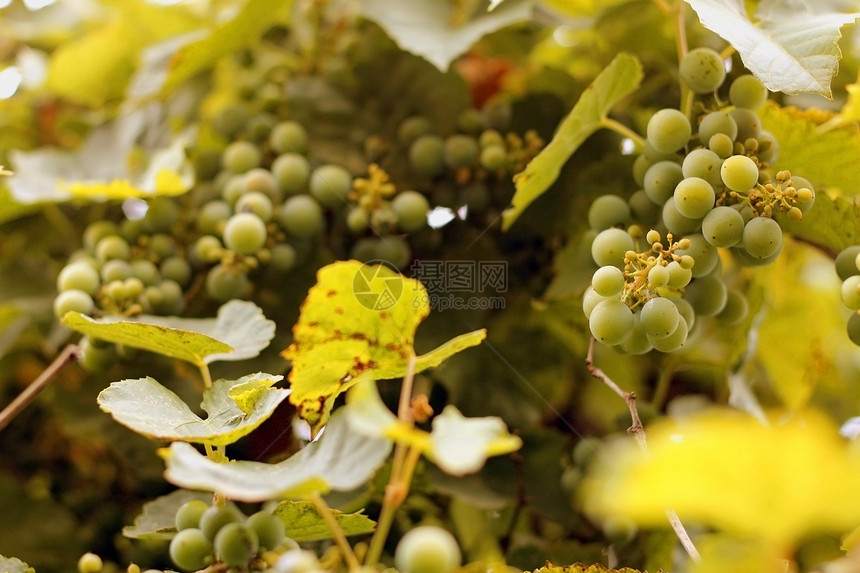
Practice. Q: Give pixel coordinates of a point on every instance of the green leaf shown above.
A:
(254, 18)
(150, 409)
(618, 80)
(173, 342)
(14, 565)
(358, 320)
(439, 31)
(833, 222)
(340, 460)
(787, 51)
(304, 523)
(157, 519)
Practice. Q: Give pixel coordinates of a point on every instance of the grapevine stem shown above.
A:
(69, 353)
(207, 377)
(638, 432)
(623, 131)
(339, 537)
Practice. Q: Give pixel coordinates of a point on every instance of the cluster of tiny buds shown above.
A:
(767, 197)
(653, 271)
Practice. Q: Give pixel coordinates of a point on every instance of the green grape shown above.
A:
(257, 203)
(241, 156)
(301, 216)
(585, 451)
(674, 341)
(637, 343)
(207, 249)
(493, 157)
(762, 238)
(659, 318)
(661, 179)
(98, 230)
(590, 299)
(269, 528)
(116, 270)
(162, 215)
(742, 257)
(230, 120)
(357, 219)
(850, 292)
(235, 544)
(686, 310)
(289, 137)
(658, 276)
(412, 128)
(383, 219)
(694, 197)
(805, 193)
(292, 172)
(73, 300)
(189, 513)
(79, 275)
(707, 295)
(679, 277)
(226, 282)
(608, 281)
(676, 223)
(491, 138)
(722, 145)
(394, 251)
(610, 246)
(611, 322)
(411, 208)
(427, 549)
(96, 355)
(668, 130)
(717, 122)
(172, 301)
(736, 309)
(739, 173)
(133, 287)
(190, 549)
(497, 113)
(161, 246)
(749, 125)
(244, 233)
(703, 252)
(853, 328)
(426, 155)
(261, 125)
(217, 516)
(330, 185)
(640, 166)
(845, 262)
(212, 216)
(146, 272)
(642, 208)
(261, 181)
(297, 560)
(176, 269)
(283, 257)
(131, 229)
(460, 151)
(702, 70)
(747, 92)
(703, 163)
(90, 563)
(470, 121)
(232, 189)
(653, 155)
(608, 211)
(115, 290)
(113, 247)
(768, 147)
(723, 226)
(364, 250)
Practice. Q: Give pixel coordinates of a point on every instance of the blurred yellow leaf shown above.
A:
(723, 468)
(851, 109)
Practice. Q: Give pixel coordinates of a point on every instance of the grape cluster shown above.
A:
(705, 185)
(848, 268)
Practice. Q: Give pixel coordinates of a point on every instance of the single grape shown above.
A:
(702, 70)
(235, 544)
(658, 276)
(659, 317)
(611, 322)
(845, 262)
(232, 189)
(301, 216)
(675, 222)
(427, 549)
(853, 328)
(609, 247)
(707, 295)
(590, 299)
(694, 197)
(491, 138)
(98, 230)
(668, 130)
(637, 343)
(805, 193)
(289, 137)
(460, 151)
(704, 254)
(189, 513)
(679, 277)
(241, 156)
(217, 516)
(330, 185)
(608, 281)
(230, 120)
(411, 208)
(73, 300)
(78, 275)
(703, 163)
(357, 219)
(412, 128)
(686, 311)
(283, 257)
(226, 282)
(269, 528)
(426, 155)
(96, 355)
(244, 233)
(90, 563)
(722, 145)
(292, 172)
(297, 561)
(717, 122)
(257, 203)
(172, 301)
(190, 549)
(261, 125)
(643, 209)
(493, 158)
(260, 180)
(739, 173)
(162, 215)
(762, 238)
(674, 341)
(113, 247)
(608, 211)
(661, 179)
(145, 271)
(850, 292)
(723, 226)
(749, 125)
(176, 269)
(768, 147)
(470, 121)
(747, 92)
(736, 309)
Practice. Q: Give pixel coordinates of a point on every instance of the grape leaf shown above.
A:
(304, 523)
(234, 407)
(182, 344)
(358, 319)
(157, 519)
(833, 223)
(428, 28)
(339, 460)
(789, 52)
(618, 80)
(14, 565)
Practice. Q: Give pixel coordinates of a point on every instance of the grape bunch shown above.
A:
(705, 185)
(848, 268)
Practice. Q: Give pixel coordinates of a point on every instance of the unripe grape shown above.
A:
(608, 281)
(704, 255)
(241, 156)
(702, 70)
(269, 528)
(717, 122)
(609, 247)
(703, 163)
(850, 292)
(694, 197)
(637, 343)
(739, 173)
(96, 231)
(261, 181)
(245, 233)
(190, 549)
(289, 137)
(659, 317)
(722, 145)
(460, 151)
(79, 275)
(611, 322)
(723, 226)
(845, 262)
(73, 300)
(292, 172)
(679, 276)
(658, 276)
(113, 247)
(668, 130)
(590, 299)
(426, 155)
(176, 269)
(805, 193)
(674, 341)
(90, 563)
(301, 216)
(493, 158)
(189, 513)
(749, 125)
(257, 203)
(707, 295)
(853, 328)
(412, 128)
(330, 185)
(226, 282)
(411, 208)
(427, 549)
(661, 179)
(283, 257)
(608, 211)
(394, 251)
(736, 309)
(762, 238)
(217, 516)
(235, 544)
(747, 92)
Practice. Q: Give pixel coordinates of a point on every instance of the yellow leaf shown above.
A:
(723, 468)
(851, 109)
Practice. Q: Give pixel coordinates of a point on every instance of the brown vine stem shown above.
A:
(68, 354)
(637, 430)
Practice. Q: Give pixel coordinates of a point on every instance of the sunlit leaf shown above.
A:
(788, 51)
(358, 319)
(173, 342)
(157, 519)
(832, 223)
(851, 109)
(429, 28)
(304, 523)
(14, 565)
(618, 80)
(723, 468)
(234, 408)
(340, 460)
